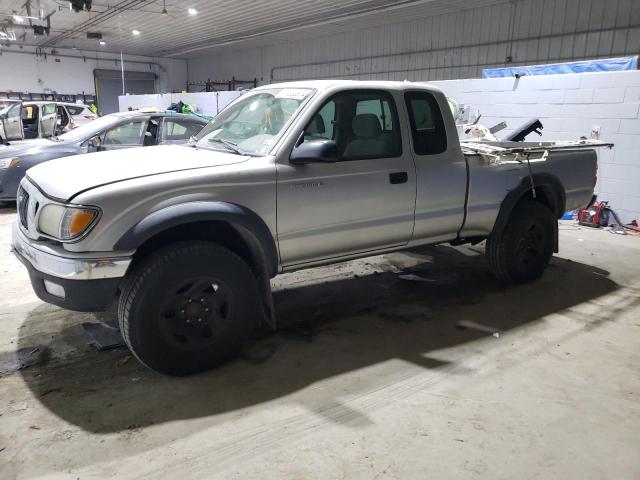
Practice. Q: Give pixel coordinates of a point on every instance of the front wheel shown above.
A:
(522, 252)
(188, 307)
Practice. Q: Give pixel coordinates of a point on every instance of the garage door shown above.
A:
(109, 86)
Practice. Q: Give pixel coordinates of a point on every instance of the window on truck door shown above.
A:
(427, 124)
(363, 123)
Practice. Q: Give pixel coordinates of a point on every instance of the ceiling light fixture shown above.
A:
(102, 42)
(135, 32)
(164, 8)
(192, 11)
(18, 18)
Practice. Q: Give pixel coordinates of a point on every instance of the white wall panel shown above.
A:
(72, 70)
(563, 104)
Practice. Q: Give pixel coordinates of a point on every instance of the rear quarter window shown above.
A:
(427, 125)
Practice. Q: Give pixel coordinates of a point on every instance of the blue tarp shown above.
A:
(604, 65)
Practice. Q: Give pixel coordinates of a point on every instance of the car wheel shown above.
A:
(523, 250)
(188, 307)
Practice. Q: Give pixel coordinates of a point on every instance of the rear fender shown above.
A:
(548, 190)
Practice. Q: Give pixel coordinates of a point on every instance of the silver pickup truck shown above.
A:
(289, 176)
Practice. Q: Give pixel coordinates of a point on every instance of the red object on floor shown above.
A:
(595, 215)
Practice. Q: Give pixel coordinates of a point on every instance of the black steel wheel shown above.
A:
(197, 312)
(525, 247)
(188, 307)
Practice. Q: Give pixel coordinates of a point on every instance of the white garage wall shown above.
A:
(569, 106)
(21, 70)
(456, 45)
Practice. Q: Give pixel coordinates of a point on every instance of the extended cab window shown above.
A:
(427, 125)
(363, 123)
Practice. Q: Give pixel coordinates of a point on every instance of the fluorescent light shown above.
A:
(102, 42)
(18, 19)
(135, 32)
(192, 11)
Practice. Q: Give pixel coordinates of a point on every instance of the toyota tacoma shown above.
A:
(289, 176)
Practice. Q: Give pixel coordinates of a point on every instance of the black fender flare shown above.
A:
(175, 215)
(541, 181)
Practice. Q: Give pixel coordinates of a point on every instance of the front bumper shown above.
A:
(76, 282)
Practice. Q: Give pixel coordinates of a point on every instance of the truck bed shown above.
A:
(496, 168)
(522, 151)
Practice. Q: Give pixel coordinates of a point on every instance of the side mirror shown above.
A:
(314, 151)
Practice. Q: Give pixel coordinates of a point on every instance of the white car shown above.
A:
(72, 115)
(27, 120)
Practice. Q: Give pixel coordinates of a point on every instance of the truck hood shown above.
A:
(65, 177)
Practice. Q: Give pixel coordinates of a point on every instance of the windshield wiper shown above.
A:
(230, 145)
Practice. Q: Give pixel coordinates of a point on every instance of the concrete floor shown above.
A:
(370, 378)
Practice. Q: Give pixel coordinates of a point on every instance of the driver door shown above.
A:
(125, 135)
(12, 123)
(48, 120)
(363, 202)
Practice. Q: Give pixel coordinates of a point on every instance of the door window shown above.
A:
(173, 129)
(427, 124)
(321, 125)
(48, 109)
(14, 112)
(363, 123)
(125, 134)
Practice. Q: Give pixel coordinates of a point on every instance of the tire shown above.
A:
(188, 307)
(525, 247)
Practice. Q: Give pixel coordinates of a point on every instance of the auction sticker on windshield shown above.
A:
(293, 93)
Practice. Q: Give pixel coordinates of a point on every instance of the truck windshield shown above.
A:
(253, 123)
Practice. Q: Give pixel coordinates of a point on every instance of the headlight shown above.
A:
(66, 223)
(9, 162)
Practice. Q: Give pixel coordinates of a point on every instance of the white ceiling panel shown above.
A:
(217, 24)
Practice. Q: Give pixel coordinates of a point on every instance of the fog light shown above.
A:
(54, 289)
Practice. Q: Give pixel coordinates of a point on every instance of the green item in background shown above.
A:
(186, 108)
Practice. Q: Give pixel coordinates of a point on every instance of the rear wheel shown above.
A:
(188, 307)
(523, 250)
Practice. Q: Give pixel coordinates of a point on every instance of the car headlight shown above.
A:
(9, 162)
(66, 222)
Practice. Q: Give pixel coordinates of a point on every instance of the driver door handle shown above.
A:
(398, 177)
